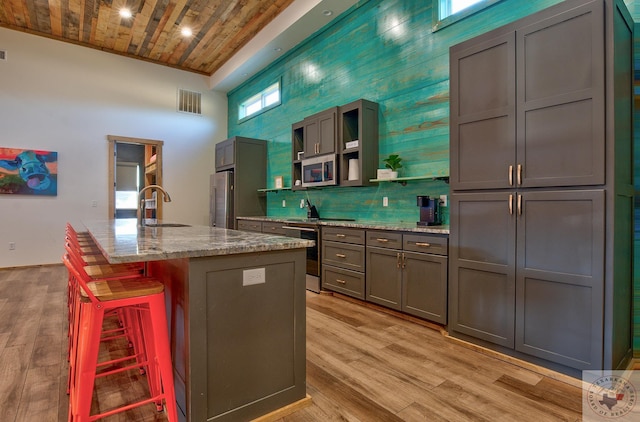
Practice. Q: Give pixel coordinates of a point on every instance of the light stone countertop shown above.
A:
(122, 241)
(358, 224)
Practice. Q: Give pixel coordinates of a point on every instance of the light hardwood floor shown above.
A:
(362, 365)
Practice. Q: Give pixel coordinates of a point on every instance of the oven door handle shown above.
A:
(302, 229)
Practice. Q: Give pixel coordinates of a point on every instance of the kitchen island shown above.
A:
(235, 309)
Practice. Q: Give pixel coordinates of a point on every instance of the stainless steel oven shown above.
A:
(309, 231)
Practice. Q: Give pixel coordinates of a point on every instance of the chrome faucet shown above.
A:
(141, 203)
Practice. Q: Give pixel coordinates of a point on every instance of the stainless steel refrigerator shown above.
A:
(221, 202)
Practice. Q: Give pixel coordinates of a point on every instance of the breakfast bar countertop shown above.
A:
(122, 241)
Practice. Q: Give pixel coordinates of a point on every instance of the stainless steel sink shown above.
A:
(166, 225)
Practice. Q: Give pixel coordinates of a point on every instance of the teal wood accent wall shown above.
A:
(636, 144)
(386, 51)
(383, 51)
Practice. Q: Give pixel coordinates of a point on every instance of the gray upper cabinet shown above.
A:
(349, 131)
(527, 106)
(541, 207)
(225, 154)
(560, 100)
(483, 120)
(358, 142)
(321, 133)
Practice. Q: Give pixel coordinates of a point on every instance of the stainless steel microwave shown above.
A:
(319, 171)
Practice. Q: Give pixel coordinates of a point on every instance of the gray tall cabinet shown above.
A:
(246, 160)
(542, 187)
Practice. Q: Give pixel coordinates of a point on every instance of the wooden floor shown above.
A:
(362, 365)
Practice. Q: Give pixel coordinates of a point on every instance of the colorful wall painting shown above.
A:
(28, 172)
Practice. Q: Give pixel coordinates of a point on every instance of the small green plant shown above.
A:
(393, 162)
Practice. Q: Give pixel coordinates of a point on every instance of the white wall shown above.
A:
(66, 98)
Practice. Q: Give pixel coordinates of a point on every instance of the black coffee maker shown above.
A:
(429, 211)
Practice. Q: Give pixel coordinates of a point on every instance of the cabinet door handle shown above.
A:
(510, 204)
(510, 175)
(424, 244)
(341, 255)
(519, 174)
(340, 281)
(519, 204)
(340, 235)
(382, 240)
(398, 264)
(403, 261)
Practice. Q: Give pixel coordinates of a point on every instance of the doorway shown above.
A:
(133, 164)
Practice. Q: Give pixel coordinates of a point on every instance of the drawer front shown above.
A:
(343, 281)
(381, 239)
(339, 234)
(273, 228)
(436, 245)
(250, 226)
(343, 255)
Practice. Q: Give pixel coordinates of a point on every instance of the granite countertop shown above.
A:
(122, 241)
(372, 225)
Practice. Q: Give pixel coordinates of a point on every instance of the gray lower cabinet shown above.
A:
(250, 226)
(527, 270)
(343, 261)
(273, 227)
(408, 272)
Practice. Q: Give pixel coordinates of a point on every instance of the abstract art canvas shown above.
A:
(28, 172)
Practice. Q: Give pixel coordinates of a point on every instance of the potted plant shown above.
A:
(392, 163)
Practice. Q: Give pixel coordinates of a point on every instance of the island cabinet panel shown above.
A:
(540, 216)
(238, 333)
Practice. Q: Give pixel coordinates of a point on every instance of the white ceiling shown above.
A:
(290, 28)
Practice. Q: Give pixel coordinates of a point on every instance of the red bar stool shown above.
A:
(143, 298)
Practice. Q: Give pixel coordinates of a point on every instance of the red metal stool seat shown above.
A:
(143, 298)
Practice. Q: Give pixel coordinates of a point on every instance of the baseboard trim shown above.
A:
(285, 411)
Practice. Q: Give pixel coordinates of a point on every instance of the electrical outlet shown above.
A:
(12, 246)
(284, 203)
(443, 200)
(385, 201)
(302, 203)
(253, 276)
(94, 203)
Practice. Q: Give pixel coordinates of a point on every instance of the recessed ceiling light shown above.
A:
(125, 13)
(186, 32)
(327, 12)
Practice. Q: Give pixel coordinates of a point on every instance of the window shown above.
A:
(265, 100)
(446, 12)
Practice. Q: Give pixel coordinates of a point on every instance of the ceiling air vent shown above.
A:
(3, 55)
(189, 101)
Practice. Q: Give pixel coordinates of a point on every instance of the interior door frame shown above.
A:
(113, 139)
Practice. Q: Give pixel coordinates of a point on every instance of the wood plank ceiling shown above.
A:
(153, 33)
